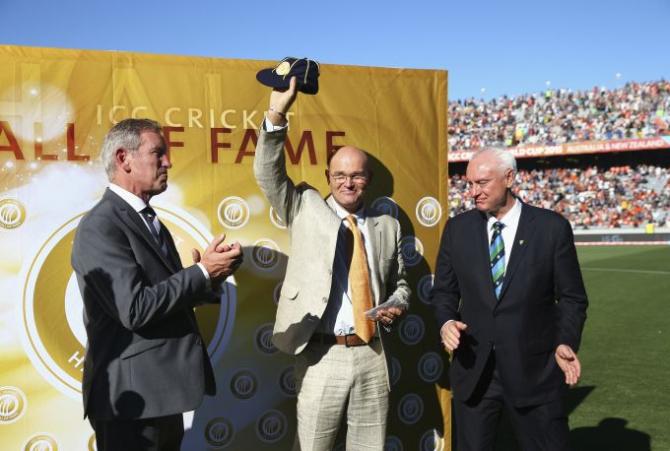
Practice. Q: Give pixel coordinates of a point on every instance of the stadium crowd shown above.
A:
(616, 197)
(637, 110)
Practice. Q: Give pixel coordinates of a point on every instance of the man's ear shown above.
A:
(122, 158)
(509, 178)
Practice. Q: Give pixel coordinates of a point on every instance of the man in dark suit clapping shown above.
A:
(510, 303)
(146, 362)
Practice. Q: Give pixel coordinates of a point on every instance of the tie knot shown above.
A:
(498, 226)
(148, 213)
(351, 219)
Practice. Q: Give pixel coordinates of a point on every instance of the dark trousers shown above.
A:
(149, 434)
(541, 427)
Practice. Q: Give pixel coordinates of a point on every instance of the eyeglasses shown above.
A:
(356, 178)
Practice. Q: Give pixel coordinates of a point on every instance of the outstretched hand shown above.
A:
(569, 363)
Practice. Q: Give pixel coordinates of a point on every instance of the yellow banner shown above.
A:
(55, 108)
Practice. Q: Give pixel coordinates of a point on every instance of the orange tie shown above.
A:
(359, 284)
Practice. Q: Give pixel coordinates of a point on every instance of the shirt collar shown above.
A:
(134, 201)
(510, 218)
(342, 213)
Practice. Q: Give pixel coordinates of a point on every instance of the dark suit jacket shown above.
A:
(145, 357)
(542, 304)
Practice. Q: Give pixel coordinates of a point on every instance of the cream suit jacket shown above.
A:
(313, 227)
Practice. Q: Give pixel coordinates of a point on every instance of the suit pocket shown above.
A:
(288, 291)
(140, 347)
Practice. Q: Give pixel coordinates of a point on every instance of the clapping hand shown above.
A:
(219, 259)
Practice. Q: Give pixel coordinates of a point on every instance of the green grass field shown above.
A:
(622, 402)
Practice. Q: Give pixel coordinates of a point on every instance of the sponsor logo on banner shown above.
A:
(412, 250)
(12, 213)
(424, 286)
(287, 382)
(244, 384)
(412, 329)
(410, 408)
(385, 206)
(13, 404)
(219, 432)
(41, 442)
(276, 220)
(233, 212)
(428, 211)
(395, 371)
(51, 296)
(430, 367)
(393, 443)
(271, 426)
(263, 339)
(265, 254)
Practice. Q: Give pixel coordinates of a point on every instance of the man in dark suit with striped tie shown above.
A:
(510, 303)
(146, 361)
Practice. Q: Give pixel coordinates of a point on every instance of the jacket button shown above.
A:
(325, 300)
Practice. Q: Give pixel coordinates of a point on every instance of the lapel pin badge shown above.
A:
(521, 242)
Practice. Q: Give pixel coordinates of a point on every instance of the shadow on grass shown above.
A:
(611, 434)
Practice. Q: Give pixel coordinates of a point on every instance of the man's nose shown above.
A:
(165, 161)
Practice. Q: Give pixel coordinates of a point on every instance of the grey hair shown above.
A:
(124, 135)
(505, 157)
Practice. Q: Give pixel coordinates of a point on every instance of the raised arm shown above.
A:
(270, 160)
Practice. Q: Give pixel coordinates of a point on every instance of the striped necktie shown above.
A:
(150, 215)
(359, 284)
(497, 257)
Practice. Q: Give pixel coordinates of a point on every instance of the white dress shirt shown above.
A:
(511, 222)
(338, 318)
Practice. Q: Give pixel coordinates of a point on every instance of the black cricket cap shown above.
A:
(306, 72)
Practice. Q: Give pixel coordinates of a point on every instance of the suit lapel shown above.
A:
(173, 254)
(524, 233)
(375, 235)
(132, 219)
(481, 254)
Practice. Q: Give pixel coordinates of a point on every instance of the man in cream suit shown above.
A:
(342, 257)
